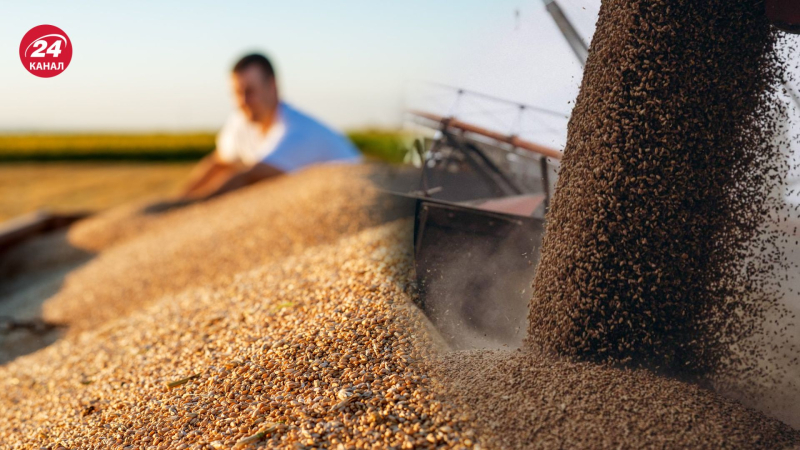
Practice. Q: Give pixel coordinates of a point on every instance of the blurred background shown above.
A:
(148, 84)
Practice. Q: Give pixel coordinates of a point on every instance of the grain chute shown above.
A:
(478, 222)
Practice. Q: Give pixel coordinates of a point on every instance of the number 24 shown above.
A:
(55, 49)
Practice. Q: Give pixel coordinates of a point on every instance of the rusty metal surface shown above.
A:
(20, 229)
(35, 326)
(473, 268)
(447, 123)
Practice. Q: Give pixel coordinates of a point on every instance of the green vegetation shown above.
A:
(385, 145)
(382, 144)
(105, 147)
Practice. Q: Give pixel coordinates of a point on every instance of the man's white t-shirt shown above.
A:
(294, 141)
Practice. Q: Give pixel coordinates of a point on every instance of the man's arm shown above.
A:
(212, 177)
(219, 177)
(210, 171)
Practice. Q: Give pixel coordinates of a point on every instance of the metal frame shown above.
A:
(455, 135)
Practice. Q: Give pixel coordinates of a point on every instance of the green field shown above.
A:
(382, 144)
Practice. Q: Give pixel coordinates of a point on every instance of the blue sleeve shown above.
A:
(298, 150)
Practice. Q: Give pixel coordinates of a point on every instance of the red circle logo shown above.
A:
(45, 51)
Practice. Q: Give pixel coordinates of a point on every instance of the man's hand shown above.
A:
(244, 178)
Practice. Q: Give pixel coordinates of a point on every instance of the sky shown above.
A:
(164, 66)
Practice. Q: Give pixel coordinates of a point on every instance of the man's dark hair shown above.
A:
(255, 59)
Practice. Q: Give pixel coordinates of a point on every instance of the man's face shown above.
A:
(256, 94)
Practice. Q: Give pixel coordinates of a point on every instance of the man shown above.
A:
(264, 138)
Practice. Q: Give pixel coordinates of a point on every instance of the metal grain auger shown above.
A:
(478, 222)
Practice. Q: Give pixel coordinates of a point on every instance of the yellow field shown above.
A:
(83, 186)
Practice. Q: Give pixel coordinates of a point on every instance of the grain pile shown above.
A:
(323, 348)
(531, 399)
(655, 252)
(211, 241)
